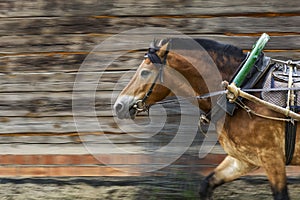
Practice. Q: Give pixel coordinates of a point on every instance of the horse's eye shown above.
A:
(145, 73)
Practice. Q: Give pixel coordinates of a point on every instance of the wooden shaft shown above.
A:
(237, 91)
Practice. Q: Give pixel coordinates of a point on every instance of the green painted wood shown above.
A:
(246, 68)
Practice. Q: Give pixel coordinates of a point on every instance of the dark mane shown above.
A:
(206, 44)
(227, 49)
(227, 57)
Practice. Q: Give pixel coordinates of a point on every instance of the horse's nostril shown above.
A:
(119, 107)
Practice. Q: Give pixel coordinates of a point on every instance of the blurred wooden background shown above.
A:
(43, 44)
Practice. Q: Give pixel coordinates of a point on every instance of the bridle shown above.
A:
(140, 105)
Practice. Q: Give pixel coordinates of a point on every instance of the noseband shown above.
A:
(155, 59)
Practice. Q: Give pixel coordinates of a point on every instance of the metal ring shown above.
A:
(140, 105)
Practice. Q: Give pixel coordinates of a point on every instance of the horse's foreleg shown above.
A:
(227, 171)
(277, 176)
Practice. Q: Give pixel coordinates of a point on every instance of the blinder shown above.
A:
(155, 59)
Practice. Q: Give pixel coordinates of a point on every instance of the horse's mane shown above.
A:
(226, 56)
(206, 44)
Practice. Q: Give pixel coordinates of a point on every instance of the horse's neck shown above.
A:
(201, 72)
(227, 64)
(227, 67)
(205, 74)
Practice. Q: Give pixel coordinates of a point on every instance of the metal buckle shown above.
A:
(204, 119)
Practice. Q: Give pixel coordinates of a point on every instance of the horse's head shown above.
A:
(186, 71)
(145, 89)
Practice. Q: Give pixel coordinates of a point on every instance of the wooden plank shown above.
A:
(61, 104)
(53, 8)
(64, 82)
(41, 63)
(221, 7)
(36, 138)
(36, 143)
(69, 62)
(38, 159)
(54, 104)
(127, 144)
(86, 25)
(115, 171)
(27, 8)
(65, 148)
(65, 171)
(79, 138)
(86, 42)
(54, 125)
(52, 25)
(50, 43)
(59, 119)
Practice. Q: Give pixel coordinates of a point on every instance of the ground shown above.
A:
(179, 186)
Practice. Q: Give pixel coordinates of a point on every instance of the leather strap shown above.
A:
(290, 140)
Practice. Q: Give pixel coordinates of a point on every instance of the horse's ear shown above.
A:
(164, 48)
(153, 44)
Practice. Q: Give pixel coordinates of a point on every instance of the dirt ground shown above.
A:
(173, 186)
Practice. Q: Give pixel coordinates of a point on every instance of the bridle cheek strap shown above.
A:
(155, 59)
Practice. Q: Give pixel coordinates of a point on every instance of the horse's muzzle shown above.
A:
(125, 107)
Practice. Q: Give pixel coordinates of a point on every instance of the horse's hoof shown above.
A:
(204, 194)
(205, 198)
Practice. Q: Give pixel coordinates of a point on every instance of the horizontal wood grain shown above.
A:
(88, 42)
(87, 25)
(88, 125)
(88, 171)
(12, 171)
(64, 82)
(69, 62)
(139, 8)
(48, 47)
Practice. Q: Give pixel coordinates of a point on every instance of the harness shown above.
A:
(289, 77)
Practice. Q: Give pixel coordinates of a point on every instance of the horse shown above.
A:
(250, 142)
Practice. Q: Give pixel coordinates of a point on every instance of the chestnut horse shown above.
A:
(250, 142)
